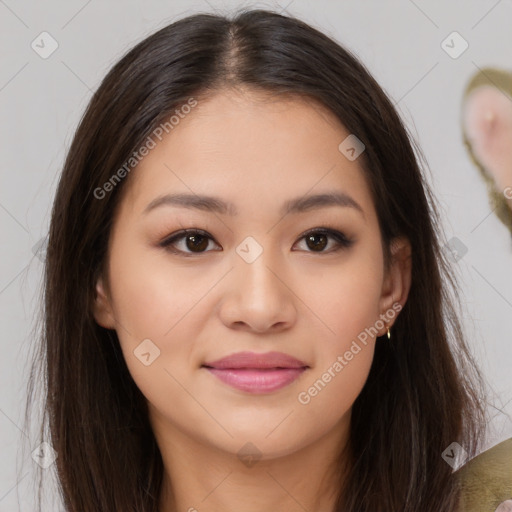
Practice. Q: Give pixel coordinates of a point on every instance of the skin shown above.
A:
(257, 152)
(488, 124)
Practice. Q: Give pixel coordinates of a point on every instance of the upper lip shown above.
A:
(256, 360)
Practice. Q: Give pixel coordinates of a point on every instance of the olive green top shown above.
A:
(486, 480)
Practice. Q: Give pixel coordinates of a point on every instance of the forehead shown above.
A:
(250, 142)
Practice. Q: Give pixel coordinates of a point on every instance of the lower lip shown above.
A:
(257, 381)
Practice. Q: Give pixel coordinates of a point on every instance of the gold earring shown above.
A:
(389, 334)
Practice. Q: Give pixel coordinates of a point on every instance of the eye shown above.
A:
(318, 239)
(196, 241)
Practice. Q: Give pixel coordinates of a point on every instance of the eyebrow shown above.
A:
(217, 205)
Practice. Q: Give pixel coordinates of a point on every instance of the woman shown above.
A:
(247, 306)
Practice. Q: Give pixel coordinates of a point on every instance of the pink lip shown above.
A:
(258, 381)
(257, 373)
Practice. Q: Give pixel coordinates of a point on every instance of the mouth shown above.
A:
(257, 373)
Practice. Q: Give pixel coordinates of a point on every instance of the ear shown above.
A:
(102, 309)
(397, 281)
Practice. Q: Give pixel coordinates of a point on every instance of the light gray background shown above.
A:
(42, 100)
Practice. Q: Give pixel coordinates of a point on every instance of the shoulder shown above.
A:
(486, 480)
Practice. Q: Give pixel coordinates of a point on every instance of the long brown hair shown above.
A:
(424, 389)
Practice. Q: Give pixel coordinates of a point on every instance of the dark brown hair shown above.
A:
(423, 390)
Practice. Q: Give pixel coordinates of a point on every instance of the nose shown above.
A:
(257, 297)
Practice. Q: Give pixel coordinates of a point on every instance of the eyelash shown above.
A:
(342, 241)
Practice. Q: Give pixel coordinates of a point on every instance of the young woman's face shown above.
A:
(252, 279)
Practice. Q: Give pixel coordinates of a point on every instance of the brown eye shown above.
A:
(196, 242)
(318, 239)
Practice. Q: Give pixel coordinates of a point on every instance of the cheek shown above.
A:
(156, 314)
(343, 300)
(348, 305)
(150, 297)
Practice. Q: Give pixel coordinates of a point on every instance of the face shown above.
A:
(251, 277)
